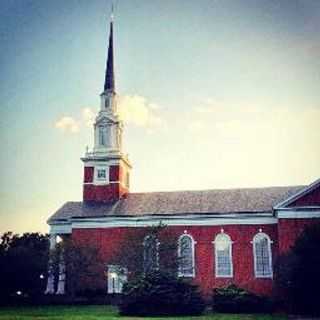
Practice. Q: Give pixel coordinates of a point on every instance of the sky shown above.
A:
(214, 94)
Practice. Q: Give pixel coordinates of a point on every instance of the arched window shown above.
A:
(150, 253)
(223, 256)
(186, 256)
(262, 255)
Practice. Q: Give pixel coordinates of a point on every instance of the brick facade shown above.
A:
(283, 233)
(289, 230)
(109, 243)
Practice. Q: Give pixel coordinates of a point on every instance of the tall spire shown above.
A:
(109, 85)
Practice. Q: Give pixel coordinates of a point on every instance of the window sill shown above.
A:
(100, 182)
(224, 276)
(180, 275)
(264, 277)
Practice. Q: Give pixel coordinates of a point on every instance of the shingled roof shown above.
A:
(250, 200)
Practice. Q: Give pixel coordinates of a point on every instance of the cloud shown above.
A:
(137, 110)
(255, 142)
(252, 122)
(134, 109)
(67, 124)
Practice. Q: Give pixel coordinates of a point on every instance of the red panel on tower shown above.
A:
(88, 174)
(114, 173)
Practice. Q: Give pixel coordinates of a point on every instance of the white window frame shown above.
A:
(222, 234)
(98, 180)
(258, 236)
(116, 277)
(181, 273)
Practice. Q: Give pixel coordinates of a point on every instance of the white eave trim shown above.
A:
(297, 195)
(60, 228)
(147, 221)
(312, 213)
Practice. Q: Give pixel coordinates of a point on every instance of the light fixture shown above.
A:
(59, 239)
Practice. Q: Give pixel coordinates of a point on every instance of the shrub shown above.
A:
(160, 294)
(232, 299)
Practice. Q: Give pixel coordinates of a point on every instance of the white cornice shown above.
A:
(183, 220)
(92, 160)
(61, 228)
(297, 214)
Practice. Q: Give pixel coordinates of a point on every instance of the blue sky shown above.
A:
(215, 94)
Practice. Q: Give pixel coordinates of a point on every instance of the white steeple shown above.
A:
(108, 127)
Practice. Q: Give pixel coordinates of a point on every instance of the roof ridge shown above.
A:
(221, 189)
(200, 191)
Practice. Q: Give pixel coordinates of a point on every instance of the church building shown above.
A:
(230, 235)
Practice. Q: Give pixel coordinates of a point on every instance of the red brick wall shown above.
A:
(103, 193)
(289, 230)
(88, 174)
(108, 241)
(114, 174)
(310, 199)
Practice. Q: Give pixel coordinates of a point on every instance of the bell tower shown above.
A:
(106, 167)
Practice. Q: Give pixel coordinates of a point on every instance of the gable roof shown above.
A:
(221, 201)
(299, 194)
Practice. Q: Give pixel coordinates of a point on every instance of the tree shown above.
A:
(83, 265)
(23, 264)
(147, 249)
(298, 272)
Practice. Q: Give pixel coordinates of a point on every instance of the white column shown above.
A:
(62, 275)
(50, 281)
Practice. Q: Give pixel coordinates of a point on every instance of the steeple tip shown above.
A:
(109, 83)
(112, 15)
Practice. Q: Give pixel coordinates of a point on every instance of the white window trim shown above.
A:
(101, 180)
(193, 273)
(216, 256)
(255, 238)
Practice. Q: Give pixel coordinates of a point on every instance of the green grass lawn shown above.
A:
(103, 312)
